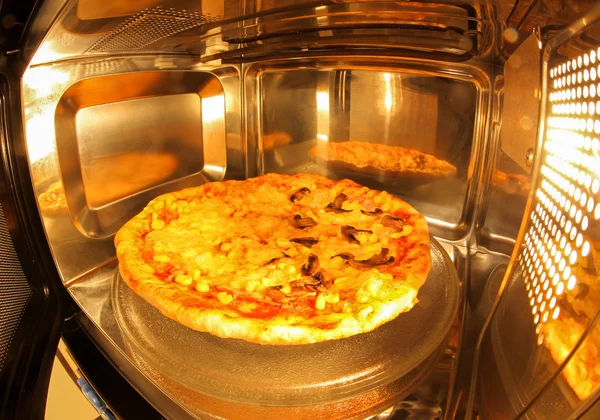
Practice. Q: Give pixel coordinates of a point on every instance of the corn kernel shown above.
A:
(283, 242)
(252, 285)
(373, 287)
(320, 303)
(396, 235)
(291, 269)
(225, 298)
(332, 298)
(226, 247)
(161, 258)
(265, 281)
(202, 287)
(183, 279)
(188, 253)
(158, 205)
(281, 266)
(196, 274)
(407, 229)
(373, 238)
(286, 289)
(157, 224)
(364, 312)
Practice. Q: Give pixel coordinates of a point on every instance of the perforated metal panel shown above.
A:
(148, 26)
(14, 291)
(566, 202)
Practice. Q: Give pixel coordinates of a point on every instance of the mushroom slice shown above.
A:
(302, 222)
(374, 261)
(349, 232)
(336, 205)
(299, 195)
(272, 261)
(392, 222)
(275, 294)
(375, 212)
(324, 278)
(308, 242)
(344, 255)
(312, 266)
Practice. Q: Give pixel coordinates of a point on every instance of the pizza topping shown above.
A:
(323, 278)
(336, 205)
(299, 195)
(308, 242)
(312, 266)
(375, 260)
(320, 302)
(375, 212)
(302, 222)
(275, 294)
(349, 232)
(202, 287)
(393, 222)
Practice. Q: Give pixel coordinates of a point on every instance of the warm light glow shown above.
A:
(43, 80)
(39, 130)
(323, 101)
(556, 312)
(572, 282)
(213, 108)
(45, 54)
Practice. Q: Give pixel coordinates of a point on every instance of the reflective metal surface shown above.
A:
(420, 107)
(105, 136)
(547, 305)
(186, 91)
(129, 137)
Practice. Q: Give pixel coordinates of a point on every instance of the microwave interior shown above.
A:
(123, 102)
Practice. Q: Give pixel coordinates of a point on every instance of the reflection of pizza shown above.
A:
(52, 200)
(516, 184)
(396, 163)
(273, 140)
(108, 179)
(278, 259)
(577, 308)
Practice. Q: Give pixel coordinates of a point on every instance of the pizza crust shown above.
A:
(202, 312)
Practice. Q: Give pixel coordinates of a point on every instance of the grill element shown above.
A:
(565, 202)
(148, 26)
(14, 290)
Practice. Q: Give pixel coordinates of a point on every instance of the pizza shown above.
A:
(53, 201)
(578, 307)
(513, 184)
(391, 163)
(277, 259)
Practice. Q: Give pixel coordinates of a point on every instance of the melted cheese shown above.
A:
(239, 240)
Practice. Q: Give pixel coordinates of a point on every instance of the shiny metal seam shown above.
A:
(453, 401)
(512, 264)
(479, 155)
(591, 326)
(494, 148)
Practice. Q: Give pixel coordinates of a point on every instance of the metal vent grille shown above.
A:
(14, 290)
(147, 27)
(566, 199)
